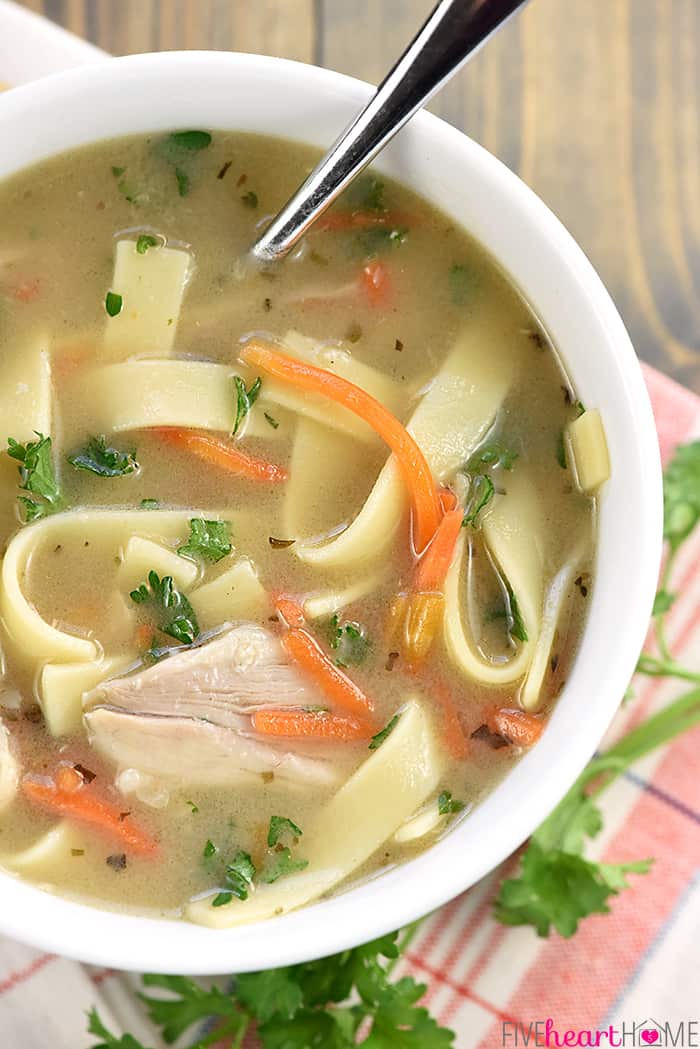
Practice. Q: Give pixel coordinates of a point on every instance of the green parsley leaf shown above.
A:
(192, 1004)
(209, 849)
(349, 640)
(221, 899)
(516, 625)
(175, 614)
(194, 808)
(272, 421)
(239, 874)
(377, 740)
(494, 454)
(183, 181)
(36, 476)
(250, 199)
(447, 804)
(149, 504)
(97, 458)
(281, 864)
(245, 399)
(682, 494)
(210, 540)
(146, 241)
(118, 172)
(109, 1040)
(192, 141)
(462, 283)
(365, 193)
(375, 241)
(113, 304)
(480, 494)
(274, 993)
(280, 825)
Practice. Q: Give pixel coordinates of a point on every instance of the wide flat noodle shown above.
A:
(61, 688)
(152, 286)
(325, 467)
(54, 847)
(326, 602)
(142, 556)
(235, 594)
(387, 788)
(338, 360)
(557, 594)
(456, 412)
(34, 638)
(514, 533)
(136, 395)
(589, 450)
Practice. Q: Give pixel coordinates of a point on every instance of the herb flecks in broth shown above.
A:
(286, 552)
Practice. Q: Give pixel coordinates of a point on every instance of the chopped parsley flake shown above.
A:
(349, 641)
(176, 616)
(250, 199)
(37, 476)
(245, 399)
(113, 303)
(280, 825)
(282, 863)
(447, 805)
(98, 458)
(146, 241)
(386, 731)
(210, 540)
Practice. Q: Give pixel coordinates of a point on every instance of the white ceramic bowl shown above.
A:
(149, 93)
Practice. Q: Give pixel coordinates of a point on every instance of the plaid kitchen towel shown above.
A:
(637, 967)
(635, 971)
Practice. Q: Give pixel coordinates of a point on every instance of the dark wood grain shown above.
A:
(596, 104)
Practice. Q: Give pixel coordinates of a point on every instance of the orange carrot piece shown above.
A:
(311, 724)
(86, 807)
(223, 454)
(26, 291)
(435, 562)
(376, 283)
(342, 221)
(412, 462)
(143, 636)
(68, 779)
(424, 616)
(452, 732)
(290, 611)
(518, 726)
(337, 686)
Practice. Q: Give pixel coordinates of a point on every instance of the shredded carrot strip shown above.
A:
(85, 807)
(311, 724)
(143, 635)
(453, 734)
(518, 726)
(344, 693)
(221, 453)
(340, 221)
(435, 562)
(376, 283)
(412, 462)
(291, 611)
(68, 778)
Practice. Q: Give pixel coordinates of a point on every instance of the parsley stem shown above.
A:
(666, 667)
(659, 620)
(403, 942)
(236, 1026)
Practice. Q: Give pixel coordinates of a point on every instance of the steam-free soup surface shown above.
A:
(161, 703)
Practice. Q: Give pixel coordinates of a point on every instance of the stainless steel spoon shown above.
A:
(455, 30)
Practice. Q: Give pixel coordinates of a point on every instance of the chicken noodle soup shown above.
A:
(295, 559)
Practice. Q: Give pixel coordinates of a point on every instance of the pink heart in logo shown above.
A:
(649, 1036)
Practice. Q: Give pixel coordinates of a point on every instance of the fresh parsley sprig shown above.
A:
(245, 399)
(175, 614)
(37, 475)
(99, 458)
(209, 540)
(340, 1002)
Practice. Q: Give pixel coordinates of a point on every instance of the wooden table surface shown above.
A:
(595, 103)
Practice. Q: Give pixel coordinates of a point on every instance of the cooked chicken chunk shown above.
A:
(196, 752)
(236, 673)
(188, 717)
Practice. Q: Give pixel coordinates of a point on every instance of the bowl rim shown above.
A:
(381, 904)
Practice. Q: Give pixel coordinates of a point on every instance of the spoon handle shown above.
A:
(452, 33)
